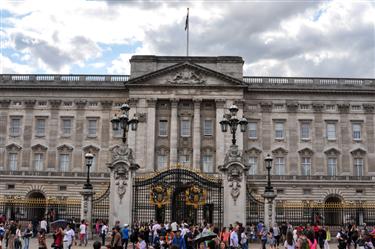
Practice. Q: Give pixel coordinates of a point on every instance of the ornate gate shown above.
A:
(178, 194)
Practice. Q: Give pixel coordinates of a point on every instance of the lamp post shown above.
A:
(89, 159)
(269, 195)
(87, 195)
(124, 122)
(232, 121)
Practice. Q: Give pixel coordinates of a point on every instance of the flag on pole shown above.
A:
(187, 20)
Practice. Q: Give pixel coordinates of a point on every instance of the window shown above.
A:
(91, 128)
(185, 128)
(279, 130)
(66, 127)
(306, 166)
(64, 162)
(356, 127)
(11, 186)
(38, 161)
(331, 131)
(332, 164)
(252, 130)
(12, 161)
(280, 166)
(62, 188)
(359, 191)
(358, 166)
(306, 191)
(15, 126)
(162, 161)
(40, 127)
(280, 191)
(184, 160)
(208, 127)
(253, 163)
(163, 128)
(305, 130)
(208, 164)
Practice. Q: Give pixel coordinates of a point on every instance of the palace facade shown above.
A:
(320, 131)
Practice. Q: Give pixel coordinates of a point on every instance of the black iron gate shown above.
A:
(169, 196)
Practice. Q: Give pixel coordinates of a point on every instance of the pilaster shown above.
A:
(151, 124)
(174, 133)
(197, 134)
(220, 151)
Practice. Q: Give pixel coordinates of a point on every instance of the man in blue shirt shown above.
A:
(178, 240)
(125, 235)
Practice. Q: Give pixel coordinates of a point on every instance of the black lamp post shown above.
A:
(268, 160)
(123, 122)
(89, 158)
(232, 121)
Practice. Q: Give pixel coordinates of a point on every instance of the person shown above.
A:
(322, 236)
(82, 233)
(276, 234)
(234, 238)
(289, 241)
(42, 239)
(178, 240)
(141, 242)
(222, 245)
(97, 245)
(224, 236)
(58, 238)
(27, 235)
(43, 224)
(244, 244)
(68, 237)
(103, 232)
(116, 242)
(125, 235)
(271, 241)
(17, 240)
(11, 235)
(35, 223)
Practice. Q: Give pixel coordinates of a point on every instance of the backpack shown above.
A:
(2, 232)
(304, 244)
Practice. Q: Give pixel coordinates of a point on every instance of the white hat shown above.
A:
(126, 225)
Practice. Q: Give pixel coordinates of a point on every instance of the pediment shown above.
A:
(185, 74)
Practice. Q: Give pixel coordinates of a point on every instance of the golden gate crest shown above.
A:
(160, 195)
(195, 196)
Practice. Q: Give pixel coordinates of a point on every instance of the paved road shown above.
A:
(34, 245)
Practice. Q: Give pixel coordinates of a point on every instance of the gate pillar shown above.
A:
(122, 168)
(234, 180)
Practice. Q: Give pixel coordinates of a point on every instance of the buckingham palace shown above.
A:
(320, 132)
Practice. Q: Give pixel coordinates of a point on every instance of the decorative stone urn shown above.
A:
(234, 180)
(122, 169)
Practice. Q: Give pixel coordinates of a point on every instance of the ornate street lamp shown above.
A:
(268, 160)
(89, 159)
(232, 122)
(124, 122)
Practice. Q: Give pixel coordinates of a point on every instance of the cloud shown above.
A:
(319, 38)
(7, 66)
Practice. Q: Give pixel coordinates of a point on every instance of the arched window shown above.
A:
(13, 156)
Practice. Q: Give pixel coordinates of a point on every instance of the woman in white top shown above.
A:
(289, 242)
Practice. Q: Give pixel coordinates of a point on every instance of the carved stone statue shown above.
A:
(187, 76)
(121, 177)
(122, 152)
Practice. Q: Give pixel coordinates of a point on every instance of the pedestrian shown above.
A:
(276, 234)
(11, 235)
(234, 238)
(116, 242)
(224, 236)
(27, 235)
(82, 233)
(17, 240)
(125, 235)
(42, 239)
(141, 242)
(244, 241)
(103, 232)
(58, 238)
(43, 224)
(289, 241)
(68, 237)
(178, 240)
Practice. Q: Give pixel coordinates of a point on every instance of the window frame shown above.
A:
(250, 136)
(356, 167)
(210, 130)
(68, 156)
(305, 172)
(89, 128)
(63, 128)
(41, 160)
(40, 131)
(163, 121)
(277, 165)
(206, 167)
(358, 124)
(328, 132)
(334, 173)
(12, 131)
(305, 123)
(282, 123)
(183, 129)
(253, 170)
(12, 160)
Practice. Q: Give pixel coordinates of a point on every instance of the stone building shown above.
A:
(320, 131)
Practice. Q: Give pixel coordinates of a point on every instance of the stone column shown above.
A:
(150, 140)
(86, 209)
(220, 142)
(197, 134)
(174, 133)
(269, 208)
(123, 169)
(234, 180)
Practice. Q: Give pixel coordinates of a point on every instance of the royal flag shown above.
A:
(187, 20)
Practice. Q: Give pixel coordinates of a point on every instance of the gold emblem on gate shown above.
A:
(160, 195)
(195, 196)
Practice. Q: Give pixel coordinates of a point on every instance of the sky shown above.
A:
(275, 38)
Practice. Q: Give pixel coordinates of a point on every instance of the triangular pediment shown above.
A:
(186, 74)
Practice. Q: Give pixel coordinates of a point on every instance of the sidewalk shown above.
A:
(34, 245)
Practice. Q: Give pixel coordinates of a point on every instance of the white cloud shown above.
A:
(120, 65)
(8, 66)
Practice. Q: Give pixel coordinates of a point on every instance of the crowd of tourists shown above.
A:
(182, 235)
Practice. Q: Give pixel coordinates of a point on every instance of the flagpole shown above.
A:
(187, 34)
